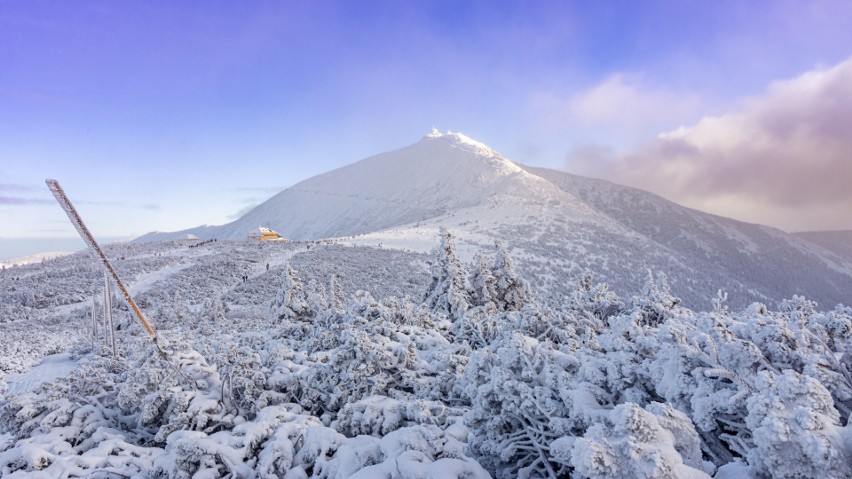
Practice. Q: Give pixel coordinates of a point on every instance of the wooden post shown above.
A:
(84, 232)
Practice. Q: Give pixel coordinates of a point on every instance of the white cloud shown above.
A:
(785, 158)
(620, 109)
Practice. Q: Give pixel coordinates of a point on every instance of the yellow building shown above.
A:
(266, 234)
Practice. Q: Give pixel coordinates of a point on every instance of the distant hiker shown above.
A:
(267, 266)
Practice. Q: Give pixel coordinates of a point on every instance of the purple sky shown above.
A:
(167, 115)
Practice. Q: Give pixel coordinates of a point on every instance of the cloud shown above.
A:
(20, 200)
(265, 190)
(623, 101)
(18, 194)
(261, 194)
(782, 159)
(6, 187)
(622, 108)
(242, 211)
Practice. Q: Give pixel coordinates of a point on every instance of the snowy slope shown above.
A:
(33, 259)
(768, 259)
(838, 242)
(436, 176)
(559, 224)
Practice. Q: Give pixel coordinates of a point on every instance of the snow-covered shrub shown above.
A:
(180, 392)
(703, 369)
(363, 365)
(422, 451)
(476, 327)
(810, 343)
(637, 443)
(273, 438)
(106, 453)
(244, 381)
(590, 297)
(516, 408)
(794, 426)
(620, 366)
(379, 415)
(556, 327)
(655, 302)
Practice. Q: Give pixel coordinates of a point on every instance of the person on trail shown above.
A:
(267, 266)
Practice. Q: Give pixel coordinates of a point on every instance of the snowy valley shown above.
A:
(442, 312)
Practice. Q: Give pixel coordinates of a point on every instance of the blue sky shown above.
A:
(167, 115)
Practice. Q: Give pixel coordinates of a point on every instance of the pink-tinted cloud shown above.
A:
(785, 158)
(622, 107)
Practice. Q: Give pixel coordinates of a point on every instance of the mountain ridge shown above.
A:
(557, 223)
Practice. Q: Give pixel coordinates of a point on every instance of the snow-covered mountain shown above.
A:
(556, 223)
(838, 242)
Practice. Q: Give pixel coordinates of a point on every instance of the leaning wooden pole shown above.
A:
(66, 205)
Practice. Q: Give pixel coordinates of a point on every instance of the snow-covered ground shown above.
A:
(36, 258)
(347, 358)
(51, 367)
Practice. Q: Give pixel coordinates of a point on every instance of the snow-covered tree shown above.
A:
(482, 284)
(291, 301)
(335, 294)
(446, 292)
(510, 292)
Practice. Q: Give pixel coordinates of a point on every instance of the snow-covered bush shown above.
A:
(657, 442)
(795, 428)
(516, 408)
(590, 297)
(379, 415)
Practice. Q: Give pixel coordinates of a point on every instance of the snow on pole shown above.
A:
(104, 311)
(108, 313)
(94, 322)
(66, 205)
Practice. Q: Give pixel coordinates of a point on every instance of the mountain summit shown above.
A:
(440, 174)
(558, 224)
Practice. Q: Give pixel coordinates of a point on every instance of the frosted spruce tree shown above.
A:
(446, 292)
(510, 292)
(291, 301)
(335, 294)
(482, 284)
